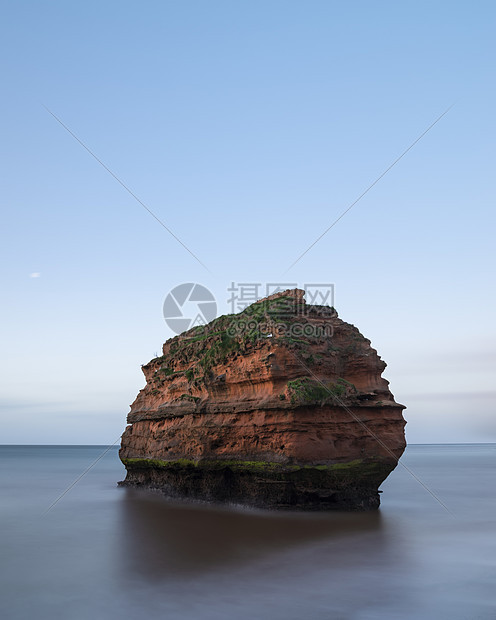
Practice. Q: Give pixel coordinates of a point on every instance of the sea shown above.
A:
(75, 546)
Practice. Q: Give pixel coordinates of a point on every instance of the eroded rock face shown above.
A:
(280, 406)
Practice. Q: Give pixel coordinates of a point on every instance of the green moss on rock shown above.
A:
(355, 469)
(305, 390)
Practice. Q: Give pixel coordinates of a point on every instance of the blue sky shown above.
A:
(248, 128)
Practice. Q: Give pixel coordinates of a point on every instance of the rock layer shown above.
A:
(280, 406)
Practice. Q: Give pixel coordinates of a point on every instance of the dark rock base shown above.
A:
(348, 486)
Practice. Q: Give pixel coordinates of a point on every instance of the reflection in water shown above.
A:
(160, 538)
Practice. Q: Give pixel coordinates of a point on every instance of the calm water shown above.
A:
(105, 552)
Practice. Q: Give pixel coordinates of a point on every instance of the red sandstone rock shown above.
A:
(282, 405)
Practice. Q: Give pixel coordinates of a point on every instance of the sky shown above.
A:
(247, 128)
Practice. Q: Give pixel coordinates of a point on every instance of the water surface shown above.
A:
(107, 552)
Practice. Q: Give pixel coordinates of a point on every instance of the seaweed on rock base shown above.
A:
(350, 486)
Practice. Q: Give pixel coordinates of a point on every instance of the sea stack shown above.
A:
(281, 406)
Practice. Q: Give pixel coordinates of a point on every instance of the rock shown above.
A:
(280, 406)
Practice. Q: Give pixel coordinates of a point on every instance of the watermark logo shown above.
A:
(243, 294)
(188, 305)
(269, 329)
(284, 314)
